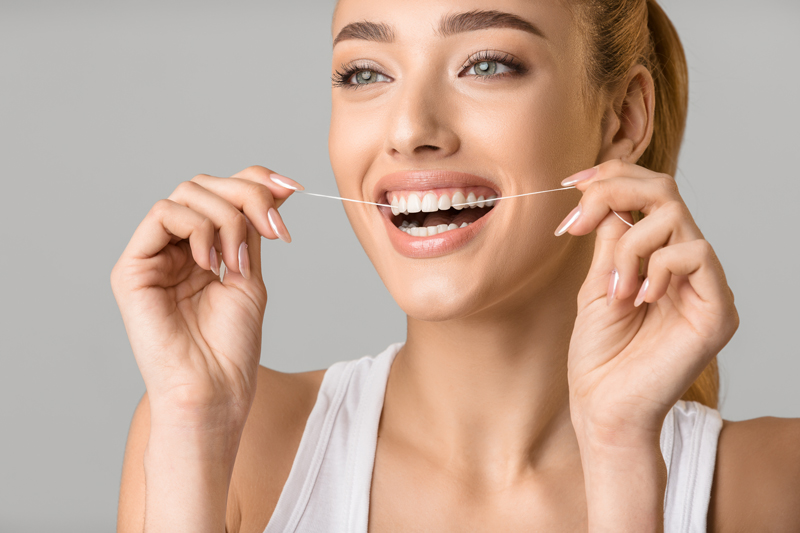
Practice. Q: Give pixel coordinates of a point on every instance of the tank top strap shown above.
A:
(329, 482)
(689, 440)
(328, 488)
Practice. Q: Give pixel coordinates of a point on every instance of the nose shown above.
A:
(421, 122)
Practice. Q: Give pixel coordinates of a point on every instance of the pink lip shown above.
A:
(435, 245)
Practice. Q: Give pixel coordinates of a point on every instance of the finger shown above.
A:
(167, 219)
(227, 219)
(622, 194)
(249, 260)
(608, 169)
(663, 227)
(609, 231)
(249, 197)
(694, 259)
(261, 175)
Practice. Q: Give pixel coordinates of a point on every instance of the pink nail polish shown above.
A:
(612, 286)
(642, 293)
(571, 218)
(580, 176)
(244, 261)
(286, 183)
(276, 222)
(212, 256)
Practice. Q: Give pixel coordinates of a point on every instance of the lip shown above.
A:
(435, 245)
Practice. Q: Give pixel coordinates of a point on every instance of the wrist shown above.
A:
(217, 446)
(187, 477)
(625, 487)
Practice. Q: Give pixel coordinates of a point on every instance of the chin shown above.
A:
(441, 290)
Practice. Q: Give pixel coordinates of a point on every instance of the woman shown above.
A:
(547, 383)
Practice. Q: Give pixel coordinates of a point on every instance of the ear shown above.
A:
(628, 119)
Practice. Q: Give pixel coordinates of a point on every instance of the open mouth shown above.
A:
(436, 211)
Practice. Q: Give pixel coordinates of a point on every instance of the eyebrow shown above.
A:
(449, 25)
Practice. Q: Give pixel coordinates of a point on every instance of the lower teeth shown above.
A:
(426, 231)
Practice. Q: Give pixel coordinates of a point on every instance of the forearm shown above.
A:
(624, 488)
(187, 475)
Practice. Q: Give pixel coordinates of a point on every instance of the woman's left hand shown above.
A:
(639, 342)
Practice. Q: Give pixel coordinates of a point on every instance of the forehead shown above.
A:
(414, 20)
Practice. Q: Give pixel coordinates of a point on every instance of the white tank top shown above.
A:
(329, 483)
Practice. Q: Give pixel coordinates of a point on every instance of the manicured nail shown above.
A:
(612, 285)
(212, 256)
(277, 224)
(571, 218)
(244, 261)
(580, 176)
(286, 183)
(642, 293)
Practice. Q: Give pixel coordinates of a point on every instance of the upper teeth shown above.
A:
(430, 203)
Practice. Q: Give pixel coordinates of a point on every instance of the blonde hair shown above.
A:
(619, 34)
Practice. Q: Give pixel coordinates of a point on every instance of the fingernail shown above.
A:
(244, 261)
(285, 182)
(642, 293)
(580, 176)
(612, 285)
(212, 256)
(277, 224)
(571, 218)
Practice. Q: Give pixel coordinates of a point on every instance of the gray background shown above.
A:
(105, 108)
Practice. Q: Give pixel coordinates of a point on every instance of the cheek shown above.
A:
(534, 138)
(355, 137)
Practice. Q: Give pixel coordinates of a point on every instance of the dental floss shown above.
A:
(452, 205)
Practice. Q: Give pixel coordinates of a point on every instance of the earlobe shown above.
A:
(628, 119)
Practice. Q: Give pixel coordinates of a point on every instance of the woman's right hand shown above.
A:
(197, 340)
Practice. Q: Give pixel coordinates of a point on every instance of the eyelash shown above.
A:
(341, 78)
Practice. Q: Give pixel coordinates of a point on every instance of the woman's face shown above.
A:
(437, 99)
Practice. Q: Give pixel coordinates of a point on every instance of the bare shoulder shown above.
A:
(269, 444)
(266, 452)
(757, 476)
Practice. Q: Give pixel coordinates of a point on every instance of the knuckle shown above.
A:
(237, 221)
(185, 187)
(161, 207)
(596, 190)
(625, 245)
(258, 191)
(257, 170)
(656, 260)
(612, 167)
(199, 177)
(675, 209)
(704, 248)
(668, 184)
(207, 226)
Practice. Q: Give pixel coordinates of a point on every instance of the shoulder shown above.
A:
(757, 476)
(269, 444)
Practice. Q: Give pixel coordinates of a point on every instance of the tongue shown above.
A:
(448, 217)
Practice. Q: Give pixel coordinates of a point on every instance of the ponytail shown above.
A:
(620, 34)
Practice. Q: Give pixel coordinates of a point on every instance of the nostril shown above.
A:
(428, 147)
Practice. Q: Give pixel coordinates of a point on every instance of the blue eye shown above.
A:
(365, 77)
(488, 68)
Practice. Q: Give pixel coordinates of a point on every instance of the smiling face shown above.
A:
(441, 102)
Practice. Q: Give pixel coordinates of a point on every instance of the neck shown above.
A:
(488, 394)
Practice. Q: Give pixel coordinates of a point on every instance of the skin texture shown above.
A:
(522, 400)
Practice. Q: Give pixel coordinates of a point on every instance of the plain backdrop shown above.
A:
(106, 106)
